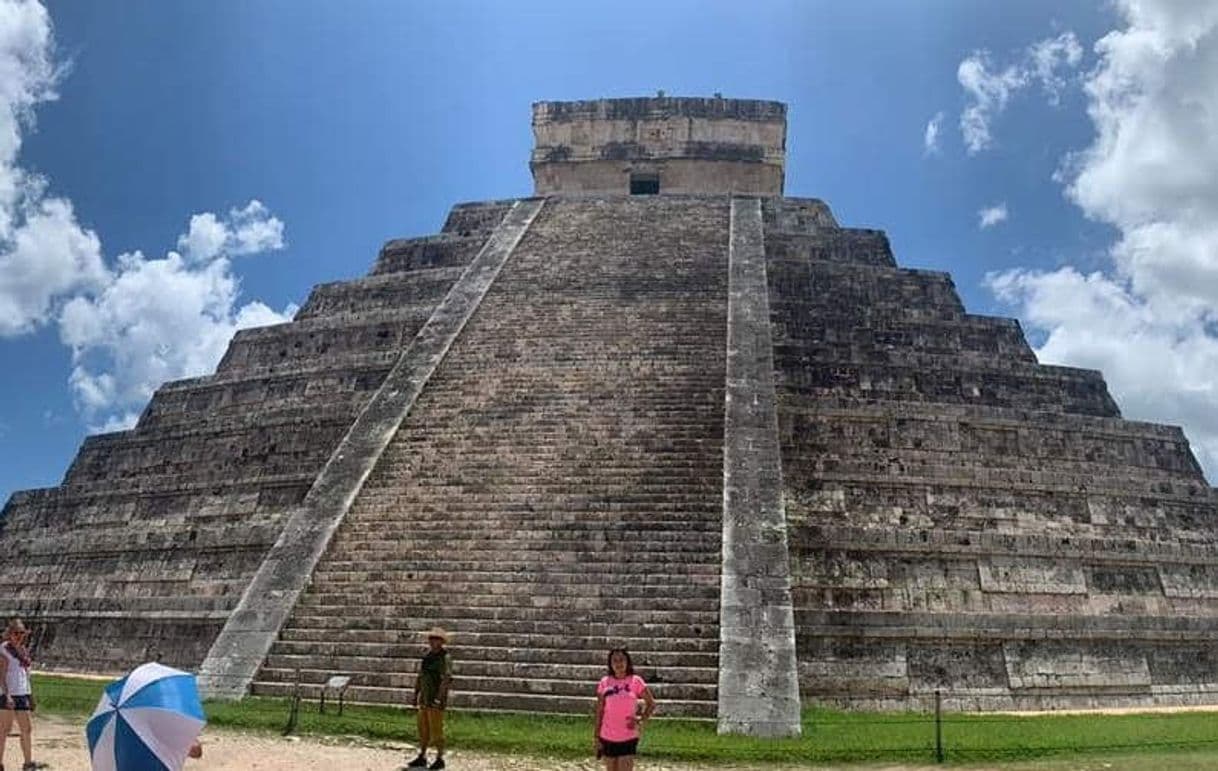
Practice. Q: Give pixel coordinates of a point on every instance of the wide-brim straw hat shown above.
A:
(436, 631)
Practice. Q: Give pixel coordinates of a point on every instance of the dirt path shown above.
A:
(61, 744)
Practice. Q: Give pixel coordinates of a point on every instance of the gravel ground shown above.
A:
(61, 744)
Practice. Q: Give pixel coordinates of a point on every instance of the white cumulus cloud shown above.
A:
(157, 320)
(249, 230)
(990, 216)
(990, 89)
(133, 324)
(44, 253)
(1150, 320)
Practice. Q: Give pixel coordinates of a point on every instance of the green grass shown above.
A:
(829, 736)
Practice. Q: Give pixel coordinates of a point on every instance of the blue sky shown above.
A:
(352, 123)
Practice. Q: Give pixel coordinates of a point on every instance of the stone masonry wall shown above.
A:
(963, 518)
(693, 146)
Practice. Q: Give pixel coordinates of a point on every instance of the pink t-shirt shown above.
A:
(618, 722)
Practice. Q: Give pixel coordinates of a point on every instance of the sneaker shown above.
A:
(419, 762)
(437, 764)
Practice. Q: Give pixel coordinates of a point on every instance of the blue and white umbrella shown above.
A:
(146, 721)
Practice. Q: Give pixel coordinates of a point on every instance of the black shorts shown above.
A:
(619, 749)
(20, 703)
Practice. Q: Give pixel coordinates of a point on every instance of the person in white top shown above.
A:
(18, 698)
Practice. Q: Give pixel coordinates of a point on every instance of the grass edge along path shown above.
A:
(830, 736)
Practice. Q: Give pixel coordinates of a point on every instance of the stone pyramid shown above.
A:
(658, 405)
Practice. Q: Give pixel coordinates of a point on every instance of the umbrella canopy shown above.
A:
(146, 721)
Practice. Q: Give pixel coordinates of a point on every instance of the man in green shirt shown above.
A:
(431, 688)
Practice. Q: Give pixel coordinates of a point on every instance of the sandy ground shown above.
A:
(61, 745)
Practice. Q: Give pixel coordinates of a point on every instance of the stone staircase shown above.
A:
(556, 489)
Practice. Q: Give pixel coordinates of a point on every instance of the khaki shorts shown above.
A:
(433, 718)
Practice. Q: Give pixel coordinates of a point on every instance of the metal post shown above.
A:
(938, 727)
(294, 710)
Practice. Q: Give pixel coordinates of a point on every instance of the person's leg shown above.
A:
(6, 725)
(437, 731)
(25, 725)
(424, 730)
(625, 763)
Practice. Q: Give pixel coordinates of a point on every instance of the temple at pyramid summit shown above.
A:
(656, 404)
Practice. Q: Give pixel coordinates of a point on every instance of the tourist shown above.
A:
(18, 696)
(618, 722)
(431, 688)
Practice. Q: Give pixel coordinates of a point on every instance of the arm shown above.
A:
(596, 723)
(415, 699)
(8, 700)
(445, 682)
(649, 706)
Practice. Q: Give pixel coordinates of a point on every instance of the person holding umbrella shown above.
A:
(18, 699)
(148, 721)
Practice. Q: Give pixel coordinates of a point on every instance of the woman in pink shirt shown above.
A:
(618, 724)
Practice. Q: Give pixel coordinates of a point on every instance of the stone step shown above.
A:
(815, 622)
(473, 216)
(1046, 394)
(554, 437)
(850, 246)
(490, 701)
(454, 565)
(420, 290)
(1017, 478)
(973, 457)
(499, 645)
(610, 513)
(506, 684)
(796, 215)
(562, 475)
(335, 365)
(529, 442)
(492, 647)
(380, 618)
(486, 607)
(595, 562)
(471, 666)
(678, 588)
(849, 410)
(384, 518)
(650, 471)
(1045, 545)
(444, 251)
(160, 606)
(502, 536)
(393, 520)
(481, 600)
(462, 496)
(554, 581)
(537, 558)
(331, 367)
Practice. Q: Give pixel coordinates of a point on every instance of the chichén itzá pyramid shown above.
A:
(657, 404)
